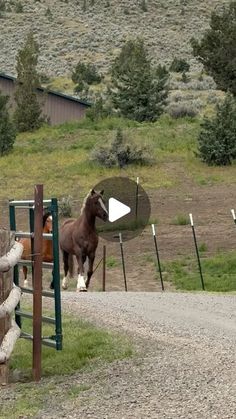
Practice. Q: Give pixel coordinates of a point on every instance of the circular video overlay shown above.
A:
(128, 207)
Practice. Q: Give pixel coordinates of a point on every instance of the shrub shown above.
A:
(181, 110)
(19, 7)
(143, 6)
(179, 65)
(121, 152)
(2, 6)
(98, 110)
(181, 220)
(65, 206)
(217, 138)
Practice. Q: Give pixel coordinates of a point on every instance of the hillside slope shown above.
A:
(67, 32)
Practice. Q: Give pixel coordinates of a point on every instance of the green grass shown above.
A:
(181, 220)
(59, 157)
(46, 155)
(112, 262)
(83, 345)
(219, 273)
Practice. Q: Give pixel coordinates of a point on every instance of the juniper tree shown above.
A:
(138, 89)
(217, 137)
(84, 75)
(7, 130)
(27, 115)
(216, 50)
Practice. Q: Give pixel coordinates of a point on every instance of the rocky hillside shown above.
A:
(95, 30)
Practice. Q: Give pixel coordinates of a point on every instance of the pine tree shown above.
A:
(7, 130)
(216, 50)
(138, 90)
(27, 115)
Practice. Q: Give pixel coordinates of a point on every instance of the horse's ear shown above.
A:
(102, 192)
(92, 192)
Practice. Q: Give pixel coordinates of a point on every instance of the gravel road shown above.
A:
(185, 366)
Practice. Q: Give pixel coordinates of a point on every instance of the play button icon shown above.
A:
(117, 209)
(128, 208)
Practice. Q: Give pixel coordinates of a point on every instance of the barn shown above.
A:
(57, 107)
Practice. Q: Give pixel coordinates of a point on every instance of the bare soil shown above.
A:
(210, 206)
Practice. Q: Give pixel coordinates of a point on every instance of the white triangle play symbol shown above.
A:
(117, 210)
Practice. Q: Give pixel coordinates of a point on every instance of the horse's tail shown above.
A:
(71, 265)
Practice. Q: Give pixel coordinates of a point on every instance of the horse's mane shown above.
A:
(84, 202)
(45, 216)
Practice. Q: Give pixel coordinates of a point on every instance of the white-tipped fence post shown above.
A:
(157, 254)
(123, 260)
(136, 199)
(197, 252)
(233, 215)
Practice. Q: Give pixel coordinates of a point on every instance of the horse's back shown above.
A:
(68, 221)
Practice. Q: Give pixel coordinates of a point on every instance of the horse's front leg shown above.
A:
(80, 282)
(25, 272)
(91, 258)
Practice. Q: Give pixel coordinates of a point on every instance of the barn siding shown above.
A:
(57, 108)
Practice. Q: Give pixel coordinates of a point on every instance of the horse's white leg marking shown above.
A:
(65, 282)
(81, 283)
(26, 283)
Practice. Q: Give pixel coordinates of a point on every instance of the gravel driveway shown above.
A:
(185, 366)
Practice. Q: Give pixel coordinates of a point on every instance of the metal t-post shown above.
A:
(136, 199)
(123, 260)
(197, 252)
(157, 254)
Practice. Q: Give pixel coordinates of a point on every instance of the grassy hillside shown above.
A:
(59, 157)
(67, 31)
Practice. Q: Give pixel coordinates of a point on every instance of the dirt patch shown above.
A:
(210, 206)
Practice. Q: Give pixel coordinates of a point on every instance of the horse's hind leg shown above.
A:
(66, 269)
(91, 258)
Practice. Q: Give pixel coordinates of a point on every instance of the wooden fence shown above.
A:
(10, 254)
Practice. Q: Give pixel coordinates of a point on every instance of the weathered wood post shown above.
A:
(6, 283)
(10, 253)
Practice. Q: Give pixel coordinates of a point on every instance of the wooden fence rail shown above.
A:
(10, 254)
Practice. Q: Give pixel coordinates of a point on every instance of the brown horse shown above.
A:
(47, 246)
(79, 237)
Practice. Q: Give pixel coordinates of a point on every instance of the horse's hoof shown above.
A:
(52, 286)
(64, 287)
(82, 289)
(26, 284)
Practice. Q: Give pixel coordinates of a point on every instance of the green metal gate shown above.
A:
(54, 341)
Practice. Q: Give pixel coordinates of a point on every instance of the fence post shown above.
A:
(6, 283)
(123, 260)
(104, 269)
(158, 258)
(37, 281)
(197, 252)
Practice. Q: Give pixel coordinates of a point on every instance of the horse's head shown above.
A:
(96, 205)
(47, 222)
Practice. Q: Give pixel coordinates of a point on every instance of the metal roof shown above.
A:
(51, 92)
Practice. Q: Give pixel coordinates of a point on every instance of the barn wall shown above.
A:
(58, 109)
